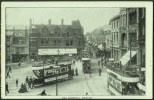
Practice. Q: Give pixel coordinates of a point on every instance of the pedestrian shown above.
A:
(99, 70)
(8, 75)
(31, 80)
(76, 71)
(7, 87)
(19, 63)
(86, 93)
(16, 82)
(27, 79)
(29, 84)
(10, 69)
(98, 62)
(32, 83)
(43, 93)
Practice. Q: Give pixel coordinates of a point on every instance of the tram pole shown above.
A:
(57, 75)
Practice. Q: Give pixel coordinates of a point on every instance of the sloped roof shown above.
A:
(17, 27)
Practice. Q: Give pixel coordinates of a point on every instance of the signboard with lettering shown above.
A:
(57, 51)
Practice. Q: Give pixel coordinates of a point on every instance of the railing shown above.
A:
(116, 67)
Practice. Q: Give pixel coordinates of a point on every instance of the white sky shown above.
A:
(90, 18)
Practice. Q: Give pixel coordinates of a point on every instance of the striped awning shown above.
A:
(124, 60)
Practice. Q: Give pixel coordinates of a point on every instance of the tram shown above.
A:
(120, 80)
(86, 62)
(46, 73)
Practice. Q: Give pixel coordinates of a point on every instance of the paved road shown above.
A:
(95, 85)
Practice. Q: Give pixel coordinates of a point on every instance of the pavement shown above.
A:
(95, 85)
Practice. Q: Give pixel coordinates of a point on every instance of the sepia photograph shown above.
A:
(72, 50)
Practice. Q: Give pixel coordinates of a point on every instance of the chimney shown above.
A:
(49, 21)
(30, 22)
(62, 21)
(13, 31)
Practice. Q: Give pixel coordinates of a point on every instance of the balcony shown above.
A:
(124, 73)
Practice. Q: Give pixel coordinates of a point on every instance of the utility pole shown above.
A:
(130, 49)
(112, 45)
(57, 72)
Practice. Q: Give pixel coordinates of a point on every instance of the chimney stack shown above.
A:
(49, 21)
(62, 21)
(30, 22)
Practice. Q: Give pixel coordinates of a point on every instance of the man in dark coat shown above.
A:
(16, 82)
(43, 93)
(27, 79)
(76, 71)
(7, 87)
(99, 70)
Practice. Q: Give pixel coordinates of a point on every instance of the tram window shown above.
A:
(114, 82)
(118, 86)
(110, 79)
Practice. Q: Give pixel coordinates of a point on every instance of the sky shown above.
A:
(90, 18)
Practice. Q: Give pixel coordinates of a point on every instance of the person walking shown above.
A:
(16, 82)
(7, 87)
(10, 69)
(19, 63)
(27, 79)
(31, 82)
(98, 62)
(76, 71)
(99, 71)
(8, 75)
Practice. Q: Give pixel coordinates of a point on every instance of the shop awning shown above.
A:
(57, 51)
(124, 60)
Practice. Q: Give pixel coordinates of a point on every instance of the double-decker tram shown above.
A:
(45, 73)
(86, 63)
(121, 80)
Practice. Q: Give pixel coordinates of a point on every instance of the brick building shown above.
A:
(51, 40)
(17, 43)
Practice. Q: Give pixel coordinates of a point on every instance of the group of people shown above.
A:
(30, 82)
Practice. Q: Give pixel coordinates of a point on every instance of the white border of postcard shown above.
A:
(149, 35)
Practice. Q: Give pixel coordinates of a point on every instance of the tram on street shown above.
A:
(120, 81)
(86, 63)
(46, 73)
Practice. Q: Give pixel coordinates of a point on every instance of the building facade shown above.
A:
(47, 38)
(17, 43)
(115, 24)
(129, 67)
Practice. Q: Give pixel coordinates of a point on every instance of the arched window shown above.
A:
(117, 37)
(124, 39)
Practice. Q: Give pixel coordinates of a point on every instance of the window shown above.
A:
(114, 82)
(42, 42)
(79, 43)
(71, 42)
(8, 48)
(55, 42)
(67, 42)
(110, 79)
(20, 41)
(67, 34)
(7, 39)
(118, 86)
